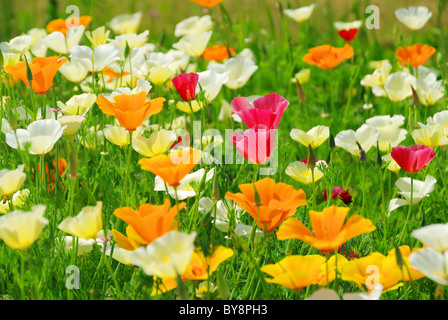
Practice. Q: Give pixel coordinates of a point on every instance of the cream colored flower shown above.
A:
(11, 180)
(18, 200)
(40, 136)
(430, 136)
(299, 171)
(158, 142)
(300, 14)
(167, 256)
(98, 36)
(126, 23)
(421, 189)
(19, 229)
(240, 69)
(366, 136)
(78, 104)
(74, 71)
(314, 137)
(120, 136)
(59, 43)
(414, 18)
(398, 86)
(72, 123)
(193, 25)
(193, 45)
(303, 76)
(86, 224)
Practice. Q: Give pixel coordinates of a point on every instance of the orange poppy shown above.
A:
(329, 229)
(328, 57)
(207, 3)
(170, 169)
(278, 202)
(130, 109)
(218, 53)
(62, 25)
(43, 71)
(416, 54)
(145, 225)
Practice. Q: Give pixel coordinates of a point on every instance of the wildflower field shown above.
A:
(261, 150)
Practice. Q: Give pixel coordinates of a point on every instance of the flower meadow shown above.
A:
(221, 160)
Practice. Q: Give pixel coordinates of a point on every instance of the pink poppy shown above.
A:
(255, 144)
(413, 158)
(266, 111)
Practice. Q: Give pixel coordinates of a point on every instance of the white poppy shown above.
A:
(97, 59)
(167, 256)
(414, 18)
(126, 23)
(398, 86)
(389, 128)
(78, 104)
(193, 45)
(433, 264)
(40, 136)
(74, 71)
(193, 25)
(211, 82)
(300, 14)
(314, 137)
(366, 136)
(240, 69)
(421, 189)
(59, 43)
(434, 236)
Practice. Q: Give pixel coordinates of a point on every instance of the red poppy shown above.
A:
(413, 158)
(346, 197)
(185, 84)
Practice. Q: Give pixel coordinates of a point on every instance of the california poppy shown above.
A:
(174, 167)
(330, 231)
(416, 54)
(413, 158)
(328, 57)
(130, 109)
(295, 272)
(185, 84)
(145, 225)
(207, 3)
(218, 53)
(43, 70)
(62, 25)
(278, 202)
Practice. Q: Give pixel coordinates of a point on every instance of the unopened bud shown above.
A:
(379, 159)
(29, 74)
(257, 199)
(127, 50)
(362, 153)
(300, 92)
(399, 257)
(415, 99)
(311, 160)
(331, 143)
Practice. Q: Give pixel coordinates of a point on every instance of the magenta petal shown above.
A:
(240, 104)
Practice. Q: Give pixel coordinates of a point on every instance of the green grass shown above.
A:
(40, 271)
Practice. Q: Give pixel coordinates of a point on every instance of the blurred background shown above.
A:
(161, 16)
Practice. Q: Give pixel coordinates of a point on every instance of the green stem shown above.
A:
(409, 211)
